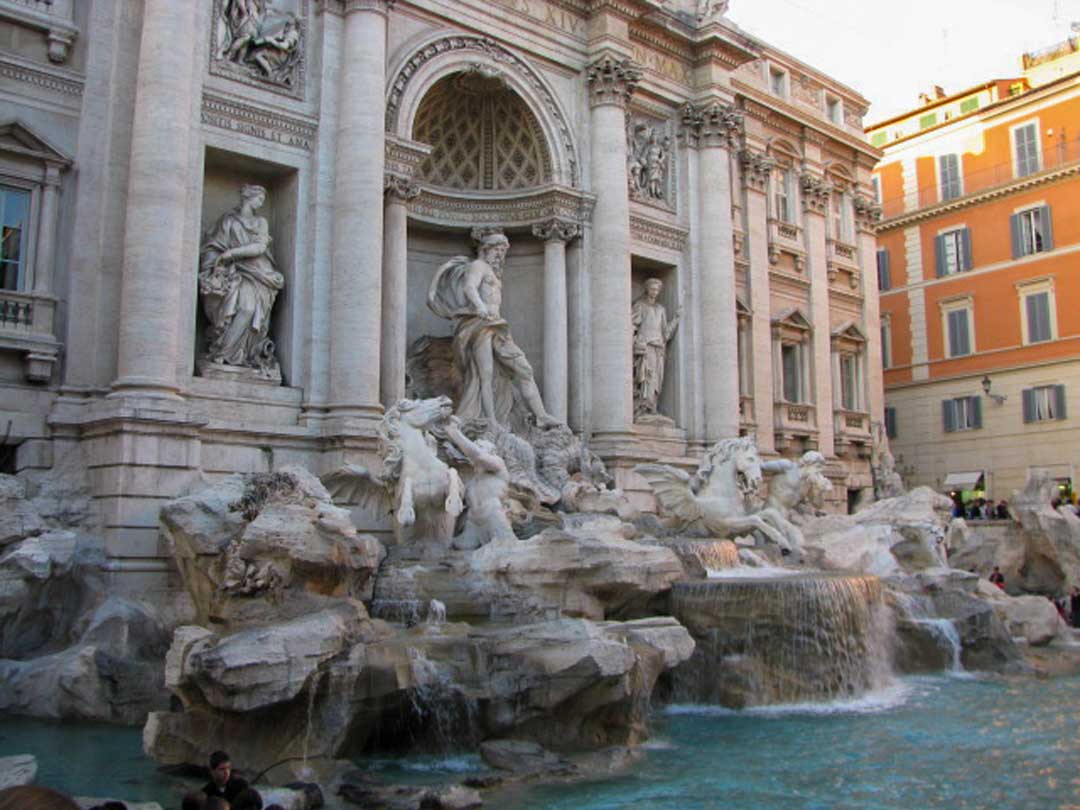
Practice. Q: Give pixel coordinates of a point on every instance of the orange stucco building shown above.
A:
(978, 268)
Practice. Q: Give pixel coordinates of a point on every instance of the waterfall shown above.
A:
(783, 639)
(716, 555)
(442, 712)
(945, 634)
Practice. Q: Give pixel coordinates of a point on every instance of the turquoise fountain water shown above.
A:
(926, 743)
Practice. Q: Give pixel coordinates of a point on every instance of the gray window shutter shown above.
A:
(1028, 398)
(1017, 236)
(949, 415)
(965, 249)
(884, 278)
(1059, 402)
(939, 254)
(890, 422)
(976, 411)
(1047, 228)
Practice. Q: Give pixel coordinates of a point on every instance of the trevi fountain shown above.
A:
(460, 403)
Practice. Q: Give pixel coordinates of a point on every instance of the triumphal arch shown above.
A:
(238, 231)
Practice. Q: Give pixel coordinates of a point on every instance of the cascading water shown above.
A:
(944, 631)
(444, 715)
(716, 555)
(784, 639)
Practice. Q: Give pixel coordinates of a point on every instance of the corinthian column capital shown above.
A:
(396, 187)
(756, 167)
(713, 124)
(612, 81)
(561, 230)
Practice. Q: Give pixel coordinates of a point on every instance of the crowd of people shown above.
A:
(224, 791)
(979, 509)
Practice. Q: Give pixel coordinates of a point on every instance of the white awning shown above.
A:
(963, 480)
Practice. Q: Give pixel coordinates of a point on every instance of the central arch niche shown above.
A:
(483, 136)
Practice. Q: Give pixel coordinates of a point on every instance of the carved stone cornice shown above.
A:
(612, 81)
(399, 189)
(867, 213)
(715, 124)
(44, 77)
(343, 8)
(815, 193)
(519, 209)
(556, 229)
(403, 157)
(756, 168)
(661, 234)
(276, 127)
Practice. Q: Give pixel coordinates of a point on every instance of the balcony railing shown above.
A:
(16, 311)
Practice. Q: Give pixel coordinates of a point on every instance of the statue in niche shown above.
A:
(497, 383)
(887, 481)
(260, 38)
(238, 285)
(652, 331)
(647, 160)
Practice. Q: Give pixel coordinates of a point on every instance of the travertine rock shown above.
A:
(18, 518)
(261, 548)
(1033, 618)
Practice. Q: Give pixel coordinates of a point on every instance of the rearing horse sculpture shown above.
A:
(719, 494)
(425, 493)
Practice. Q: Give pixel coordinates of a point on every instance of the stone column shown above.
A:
(398, 191)
(555, 233)
(611, 83)
(715, 130)
(815, 199)
(46, 256)
(867, 215)
(153, 265)
(357, 250)
(756, 169)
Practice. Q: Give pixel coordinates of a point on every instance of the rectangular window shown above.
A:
(958, 337)
(962, 413)
(890, 422)
(1032, 231)
(834, 110)
(875, 183)
(849, 382)
(778, 82)
(884, 279)
(1037, 310)
(14, 228)
(1026, 149)
(927, 120)
(791, 364)
(783, 198)
(841, 216)
(953, 252)
(1044, 403)
(969, 104)
(949, 175)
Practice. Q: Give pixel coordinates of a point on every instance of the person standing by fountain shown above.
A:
(223, 783)
(1074, 607)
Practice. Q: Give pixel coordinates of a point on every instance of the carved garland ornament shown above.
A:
(561, 230)
(496, 52)
(867, 212)
(815, 193)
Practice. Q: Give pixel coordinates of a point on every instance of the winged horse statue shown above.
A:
(719, 496)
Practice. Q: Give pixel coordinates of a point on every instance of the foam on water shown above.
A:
(886, 699)
(752, 572)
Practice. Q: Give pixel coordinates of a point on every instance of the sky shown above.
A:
(890, 52)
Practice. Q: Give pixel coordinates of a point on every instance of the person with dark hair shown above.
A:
(193, 801)
(997, 577)
(223, 783)
(248, 799)
(33, 797)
